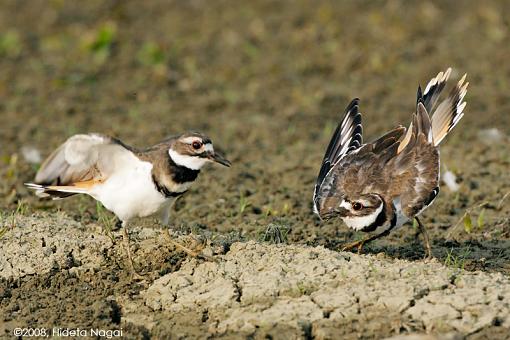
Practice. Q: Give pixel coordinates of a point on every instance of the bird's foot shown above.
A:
(197, 252)
(358, 244)
(135, 275)
(428, 254)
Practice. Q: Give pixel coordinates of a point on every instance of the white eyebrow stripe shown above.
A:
(364, 202)
(189, 140)
(345, 205)
(209, 147)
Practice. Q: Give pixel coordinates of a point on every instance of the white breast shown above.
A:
(130, 192)
(361, 222)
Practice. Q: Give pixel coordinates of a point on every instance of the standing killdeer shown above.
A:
(381, 185)
(129, 182)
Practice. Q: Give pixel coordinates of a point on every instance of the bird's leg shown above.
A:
(359, 244)
(165, 213)
(125, 237)
(426, 239)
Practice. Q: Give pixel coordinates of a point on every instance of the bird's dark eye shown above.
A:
(357, 206)
(196, 145)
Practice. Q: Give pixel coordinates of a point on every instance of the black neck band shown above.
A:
(181, 174)
(379, 221)
(164, 190)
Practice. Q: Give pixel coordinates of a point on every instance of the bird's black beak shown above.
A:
(216, 157)
(328, 215)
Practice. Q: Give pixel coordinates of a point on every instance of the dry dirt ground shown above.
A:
(268, 82)
(59, 273)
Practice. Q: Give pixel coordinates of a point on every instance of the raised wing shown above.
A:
(348, 136)
(81, 162)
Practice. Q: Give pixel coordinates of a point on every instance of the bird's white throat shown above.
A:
(361, 222)
(190, 162)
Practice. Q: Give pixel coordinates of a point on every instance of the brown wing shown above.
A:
(359, 172)
(80, 163)
(347, 137)
(415, 169)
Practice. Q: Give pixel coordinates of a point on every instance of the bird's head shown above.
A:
(193, 150)
(359, 211)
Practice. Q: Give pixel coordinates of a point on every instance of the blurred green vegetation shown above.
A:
(10, 44)
(100, 41)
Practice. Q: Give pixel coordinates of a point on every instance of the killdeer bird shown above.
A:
(377, 186)
(127, 181)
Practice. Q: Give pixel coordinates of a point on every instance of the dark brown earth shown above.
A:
(268, 82)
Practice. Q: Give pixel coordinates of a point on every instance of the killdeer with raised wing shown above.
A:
(377, 186)
(127, 181)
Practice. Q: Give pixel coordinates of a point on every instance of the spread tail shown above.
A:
(449, 112)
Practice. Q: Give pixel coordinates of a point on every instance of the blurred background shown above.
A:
(268, 81)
